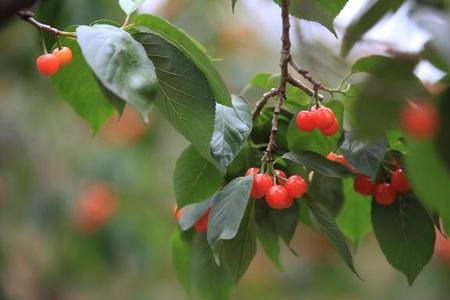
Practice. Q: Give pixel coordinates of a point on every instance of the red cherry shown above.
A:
(252, 171)
(278, 197)
(281, 177)
(64, 56)
(296, 186)
(201, 225)
(420, 120)
(261, 183)
(306, 120)
(399, 181)
(328, 131)
(385, 194)
(324, 118)
(364, 185)
(47, 64)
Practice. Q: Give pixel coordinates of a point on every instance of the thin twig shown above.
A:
(305, 74)
(297, 83)
(262, 102)
(28, 16)
(284, 60)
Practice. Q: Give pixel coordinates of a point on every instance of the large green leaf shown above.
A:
(354, 218)
(130, 6)
(429, 177)
(267, 233)
(315, 141)
(191, 48)
(209, 280)
(120, 63)
(228, 210)
(77, 84)
(322, 11)
(328, 192)
(369, 18)
(188, 101)
(195, 178)
(319, 164)
(232, 128)
(181, 257)
(365, 156)
(332, 231)
(236, 254)
(405, 233)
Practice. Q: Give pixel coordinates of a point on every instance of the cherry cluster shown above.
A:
(322, 118)
(280, 191)
(50, 63)
(384, 193)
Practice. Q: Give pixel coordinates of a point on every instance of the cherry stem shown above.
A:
(44, 47)
(28, 16)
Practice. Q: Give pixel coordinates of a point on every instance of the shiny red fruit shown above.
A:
(261, 183)
(47, 64)
(278, 197)
(420, 120)
(364, 185)
(306, 120)
(324, 118)
(385, 194)
(252, 171)
(399, 181)
(64, 56)
(331, 130)
(201, 225)
(281, 177)
(296, 186)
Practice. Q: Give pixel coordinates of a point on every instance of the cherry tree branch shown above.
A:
(262, 102)
(284, 61)
(28, 16)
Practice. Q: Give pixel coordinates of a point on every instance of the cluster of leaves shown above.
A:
(151, 63)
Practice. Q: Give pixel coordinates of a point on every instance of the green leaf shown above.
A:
(120, 63)
(267, 233)
(315, 141)
(232, 128)
(236, 254)
(327, 191)
(78, 86)
(210, 281)
(405, 233)
(378, 102)
(319, 164)
(228, 210)
(366, 21)
(354, 218)
(429, 177)
(372, 64)
(193, 212)
(321, 11)
(248, 157)
(181, 257)
(365, 156)
(332, 231)
(195, 178)
(191, 48)
(285, 221)
(188, 101)
(130, 6)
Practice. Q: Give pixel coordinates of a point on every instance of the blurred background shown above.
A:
(90, 217)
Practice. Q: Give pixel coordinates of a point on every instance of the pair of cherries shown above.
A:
(322, 118)
(49, 64)
(385, 193)
(279, 194)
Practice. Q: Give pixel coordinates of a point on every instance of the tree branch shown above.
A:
(28, 16)
(262, 102)
(284, 61)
